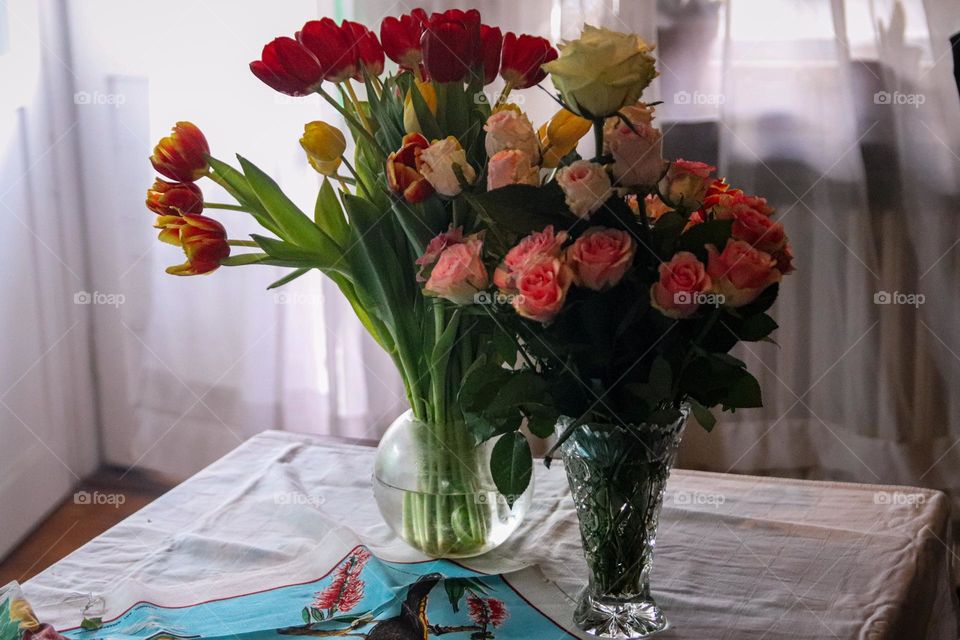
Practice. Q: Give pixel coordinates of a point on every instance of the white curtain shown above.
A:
(48, 434)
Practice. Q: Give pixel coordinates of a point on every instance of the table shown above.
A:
(738, 557)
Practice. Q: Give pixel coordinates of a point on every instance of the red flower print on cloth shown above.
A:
(346, 590)
(487, 611)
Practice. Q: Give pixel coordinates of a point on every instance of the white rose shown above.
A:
(586, 186)
(436, 164)
(511, 129)
(637, 150)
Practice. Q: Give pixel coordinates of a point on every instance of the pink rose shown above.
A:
(511, 166)
(542, 289)
(436, 246)
(459, 273)
(600, 257)
(758, 229)
(637, 153)
(509, 128)
(586, 186)
(741, 272)
(683, 282)
(687, 182)
(538, 244)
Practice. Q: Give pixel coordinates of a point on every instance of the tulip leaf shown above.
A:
(244, 259)
(328, 215)
(290, 277)
(239, 188)
(511, 465)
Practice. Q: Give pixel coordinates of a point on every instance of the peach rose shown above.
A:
(683, 282)
(758, 229)
(509, 128)
(436, 163)
(655, 207)
(586, 186)
(637, 150)
(453, 235)
(600, 257)
(538, 244)
(511, 166)
(459, 272)
(542, 289)
(740, 272)
(721, 198)
(687, 182)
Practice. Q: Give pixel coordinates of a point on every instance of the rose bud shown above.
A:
(369, 53)
(602, 71)
(204, 241)
(324, 144)
(637, 153)
(784, 258)
(523, 56)
(586, 187)
(333, 46)
(560, 136)
(654, 207)
(687, 182)
(511, 166)
(509, 128)
(174, 198)
(459, 272)
(182, 156)
(682, 282)
(403, 178)
(741, 272)
(287, 67)
(600, 257)
(411, 124)
(401, 38)
(436, 246)
(452, 45)
(542, 288)
(757, 229)
(436, 163)
(492, 40)
(538, 244)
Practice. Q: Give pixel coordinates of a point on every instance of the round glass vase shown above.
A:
(434, 488)
(617, 475)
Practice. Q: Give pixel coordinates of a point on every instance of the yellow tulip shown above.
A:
(560, 136)
(410, 122)
(324, 144)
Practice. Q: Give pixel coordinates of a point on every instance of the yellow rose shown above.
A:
(324, 144)
(602, 71)
(560, 136)
(410, 122)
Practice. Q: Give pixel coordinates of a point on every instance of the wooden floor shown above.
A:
(76, 521)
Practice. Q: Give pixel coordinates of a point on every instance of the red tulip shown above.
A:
(333, 46)
(401, 38)
(204, 241)
(522, 57)
(366, 48)
(288, 68)
(174, 198)
(452, 45)
(182, 156)
(402, 175)
(492, 40)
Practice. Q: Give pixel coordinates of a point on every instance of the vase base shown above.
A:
(619, 619)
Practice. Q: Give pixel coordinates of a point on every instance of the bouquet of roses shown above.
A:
(511, 281)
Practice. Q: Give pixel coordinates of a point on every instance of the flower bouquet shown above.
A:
(513, 282)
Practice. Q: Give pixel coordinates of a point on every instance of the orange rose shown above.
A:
(682, 286)
(539, 244)
(542, 289)
(600, 257)
(740, 272)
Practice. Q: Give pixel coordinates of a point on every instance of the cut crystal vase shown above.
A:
(617, 475)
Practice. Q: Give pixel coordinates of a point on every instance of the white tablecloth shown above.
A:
(738, 557)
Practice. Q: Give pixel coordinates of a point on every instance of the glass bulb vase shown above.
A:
(617, 476)
(434, 488)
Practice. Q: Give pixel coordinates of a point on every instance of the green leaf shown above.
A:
(661, 378)
(696, 239)
(240, 189)
(542, 426)
(290, 277)
(428, 122)
(317, 614)
(91, 624)
(305, 614)
(242, 259)
(523, 208)
(328, 215)
(744, 393)
(756, 327)
(455, 590)
(703, 415)
(512, 466)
